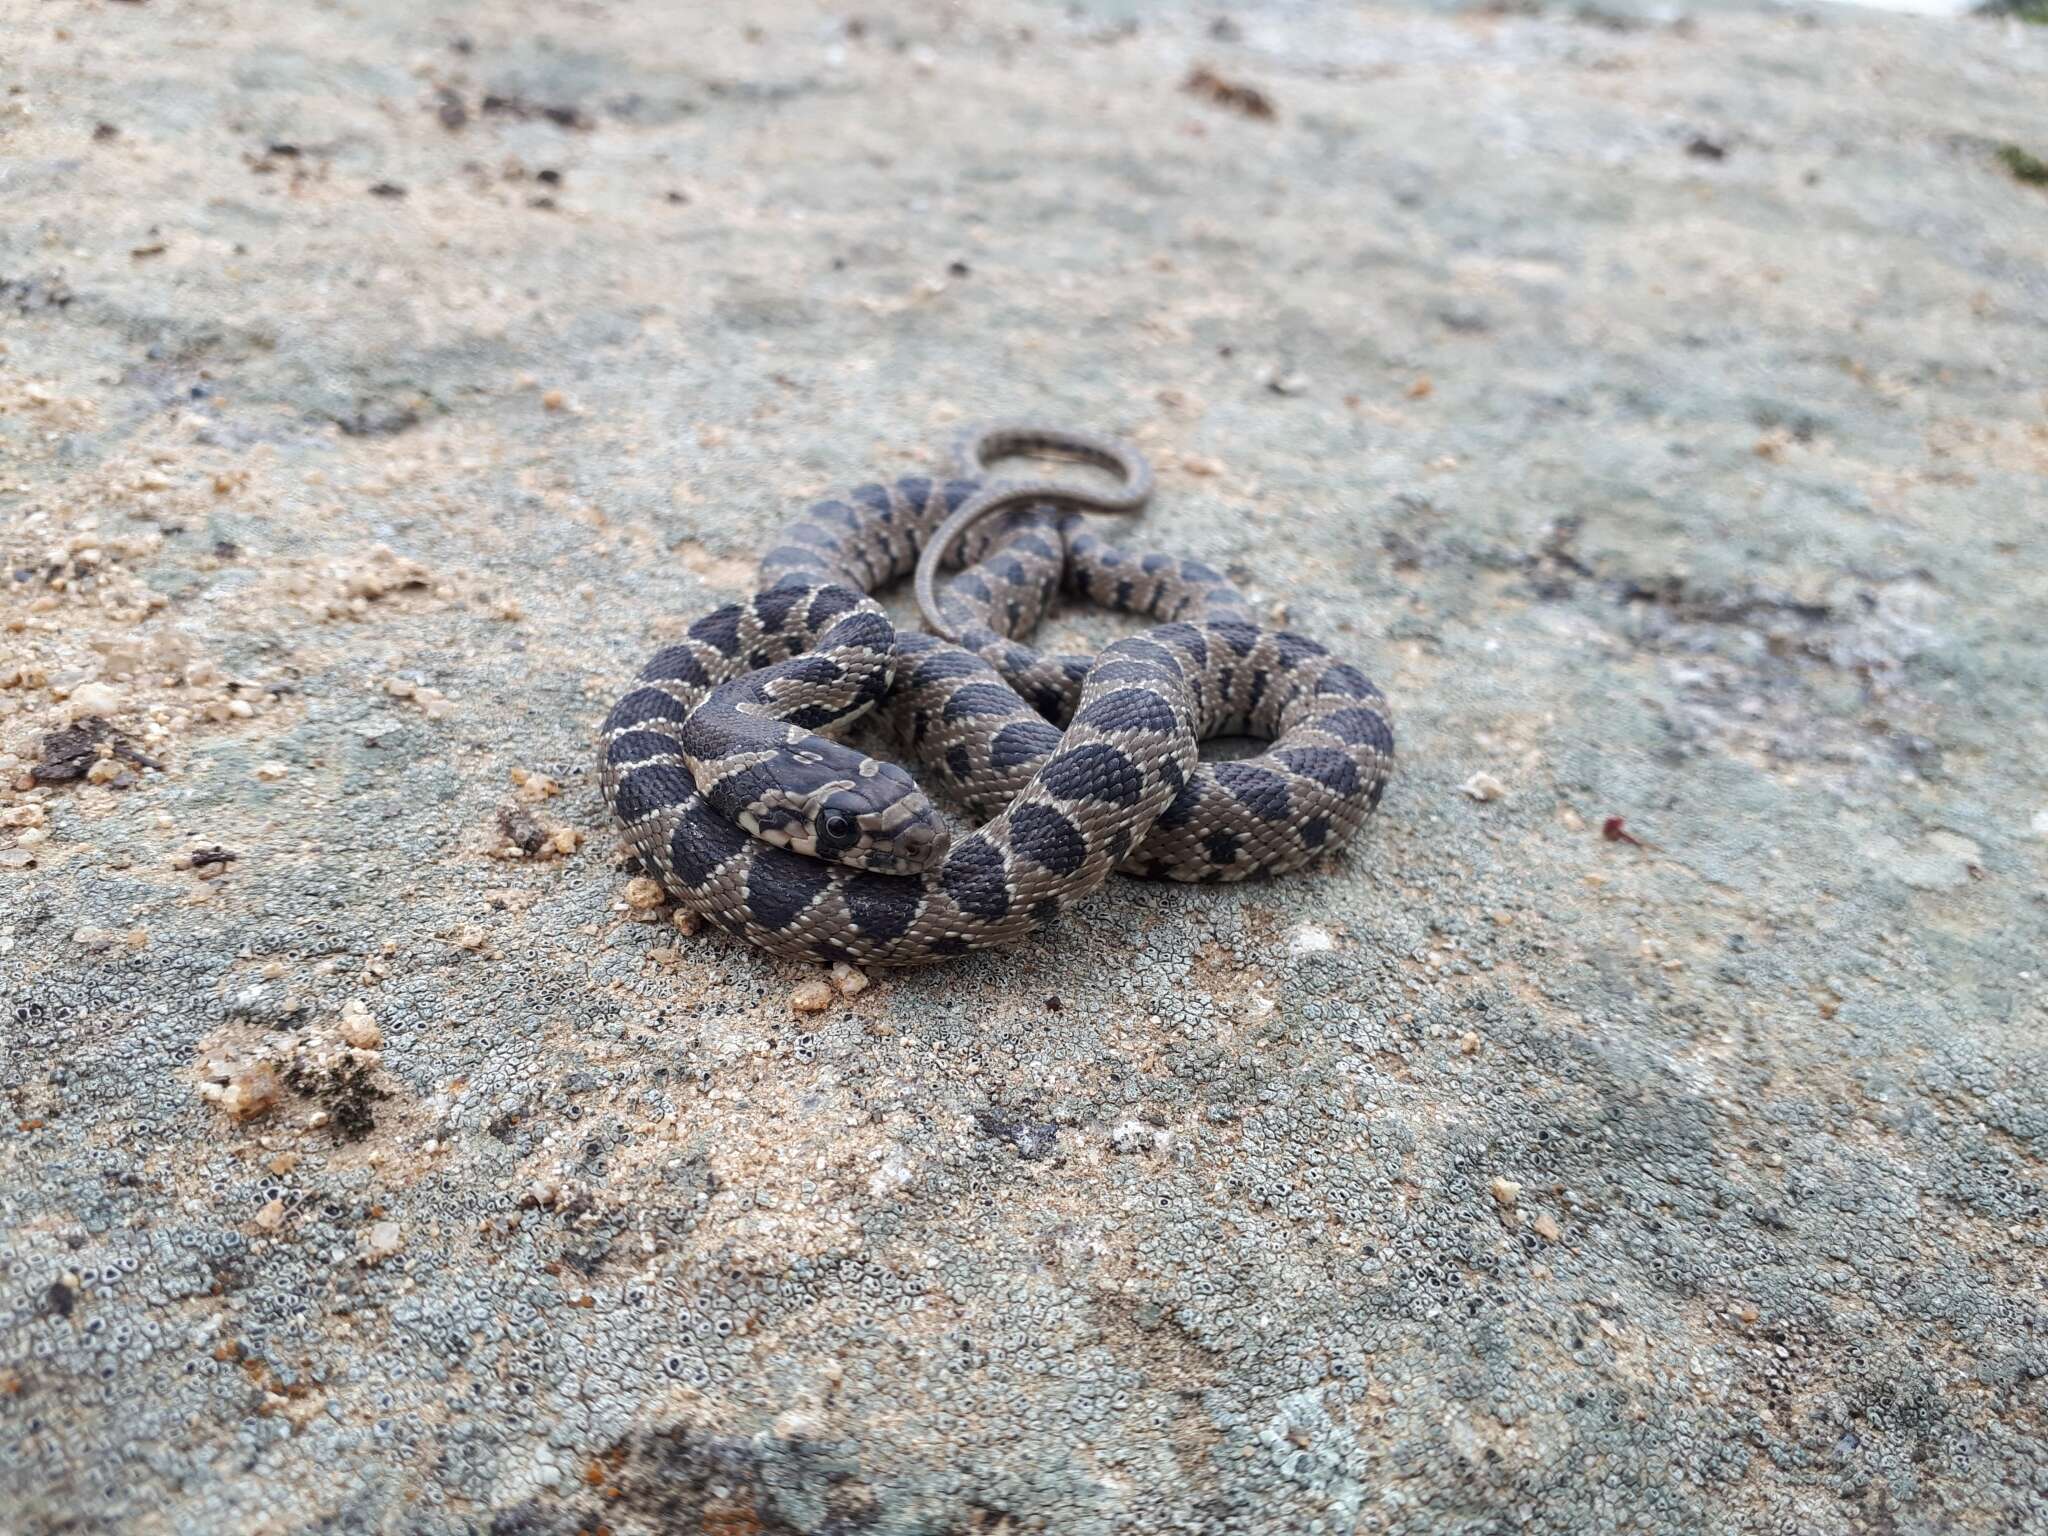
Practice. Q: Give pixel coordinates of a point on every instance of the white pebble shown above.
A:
(1483, 787)
(93, 699)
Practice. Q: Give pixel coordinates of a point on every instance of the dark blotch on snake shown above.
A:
(1130, 709)
(944, 666)
(812, 669)
(701, 842)
(1236, 634)
(812, 717)
(646, 790)
(781, 884)
(638, 746)
(1360, 728)
(1188, 638)
(959, 764)
(1139, 648)
(883, 906)
(677, 664)
(1041, 834)
(774, 604)
(978, 700)
(1263, 794)
(1326, 765)
(1017, 744)
(975, 876)
(1292, 650)
(1180, 810)
(1221, 847)
(641, 706)
(831, 602)
(1097, 772)
(1314, 832)
(719, 629)
(1347, 682)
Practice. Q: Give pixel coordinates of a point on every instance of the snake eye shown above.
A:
(836, 829)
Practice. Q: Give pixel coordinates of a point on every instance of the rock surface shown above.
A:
(1653, 1142)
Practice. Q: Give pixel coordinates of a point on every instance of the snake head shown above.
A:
(829, 802)
(883, 823)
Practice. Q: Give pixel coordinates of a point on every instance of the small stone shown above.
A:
(1545, 1227)
(850, 980)
(1469, 1043)
(243, 1090)
(1505, 1193)
(811, 997)
(271, 1217)
(685, 920)
(384, 1241)
(1310, 939)
(271, 772)
(93, 699)
(643, 894)
(1484, 787)
(105, 771)
(359, 1026)
(554, 400)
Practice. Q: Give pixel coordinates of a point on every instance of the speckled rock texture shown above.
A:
(1641, 1128)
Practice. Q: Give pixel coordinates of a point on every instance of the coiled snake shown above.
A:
(1076, 765)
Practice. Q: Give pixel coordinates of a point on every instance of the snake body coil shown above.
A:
(1083, 765)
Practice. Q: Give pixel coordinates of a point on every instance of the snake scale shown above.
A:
(715, 767)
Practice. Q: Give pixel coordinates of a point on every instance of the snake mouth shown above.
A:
(923, 847)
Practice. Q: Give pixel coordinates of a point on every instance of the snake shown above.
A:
(717, 764)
